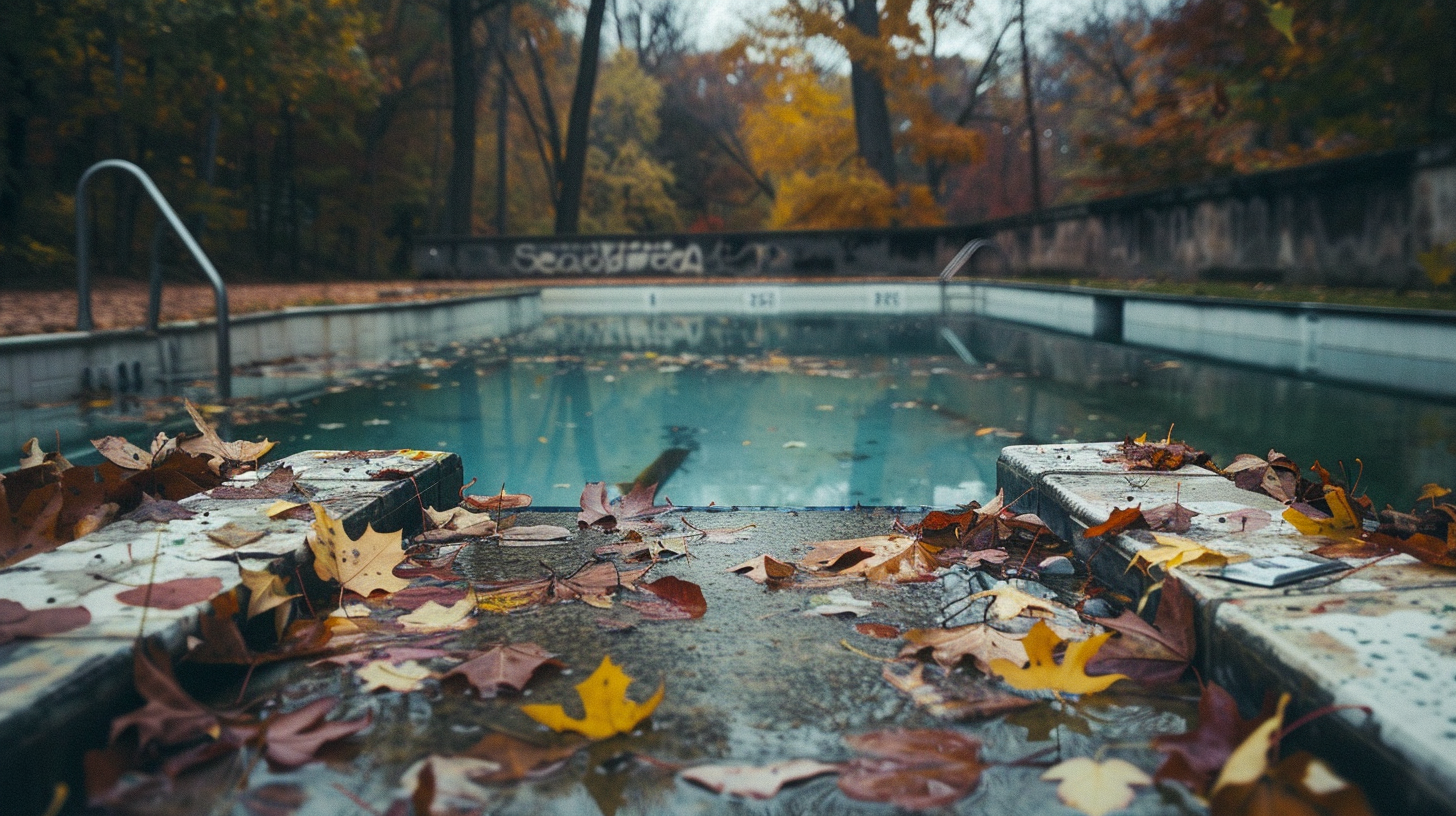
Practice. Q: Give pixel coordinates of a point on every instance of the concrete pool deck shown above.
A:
(1381, 638)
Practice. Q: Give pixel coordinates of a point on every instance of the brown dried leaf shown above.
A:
(969, 701)
(170, 716)
(764, 568)
(756, 781)
(915, 769)
(508, 665)
(223, 457)
(979, 641)
(174, 594)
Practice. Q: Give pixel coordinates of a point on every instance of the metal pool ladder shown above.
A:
(154, 307)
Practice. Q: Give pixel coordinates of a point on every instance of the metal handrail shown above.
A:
(964, 256)
(83, 271)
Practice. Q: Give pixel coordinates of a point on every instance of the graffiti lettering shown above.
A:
(608, 258)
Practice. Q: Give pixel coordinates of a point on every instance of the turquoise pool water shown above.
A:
(834, 412)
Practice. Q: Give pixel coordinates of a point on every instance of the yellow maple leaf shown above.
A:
(1432, 491)
(267, 591)
(1173, 551)
(1069, 676)
(1096, 788)
(607, 708)
(362, 565)
(1342, 522)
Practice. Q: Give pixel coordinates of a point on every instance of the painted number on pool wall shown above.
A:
(761, 300)
(890, 299)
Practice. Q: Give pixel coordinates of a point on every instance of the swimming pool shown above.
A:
(837, 411)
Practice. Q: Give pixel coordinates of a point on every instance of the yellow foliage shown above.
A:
(1342, 522)
(607, 708)
(362, 565)
(1069, 676)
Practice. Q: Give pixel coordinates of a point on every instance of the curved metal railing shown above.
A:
(83, 270)
(964, 256)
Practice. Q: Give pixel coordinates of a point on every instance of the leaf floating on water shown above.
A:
(516, 759)
(981, 642)
(382, 674)
(606, 707)
(293, 738)
(915, 769)
(170, 716)
(756, 781)
(1045, 673)
(1096, 788)
(972, 700)
(1152, 654)
(1195, 757)
(432, 617)
(508, 665)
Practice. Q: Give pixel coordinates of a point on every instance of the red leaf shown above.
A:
(1194, 758)
(18, 622)
(1150, 654)
(292, 739)
(508, 665)
(684, 595)
(159, 510)
(877, 630)
(275, 484)
(915, 769)
(170, 716)
(174, 594)
(595, 512)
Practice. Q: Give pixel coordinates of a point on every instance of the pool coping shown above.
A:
(1370, 640)
(71, 684)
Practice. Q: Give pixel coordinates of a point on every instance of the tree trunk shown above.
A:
(1035, 137)
(502, 122)
(867, 90)
(465, 84)
(568, 208)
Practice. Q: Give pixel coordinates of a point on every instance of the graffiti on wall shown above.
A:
(608, 258)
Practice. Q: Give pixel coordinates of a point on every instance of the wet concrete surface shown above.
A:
(752, 681)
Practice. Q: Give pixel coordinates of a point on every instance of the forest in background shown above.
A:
(317, 138)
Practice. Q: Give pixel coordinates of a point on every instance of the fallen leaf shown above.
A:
(275, 484)
(123, 453)
(1171, 518)
(514, 596)
(508, 665)
(594, 584)
(968, 700)
(364, 565)
(516, 759)
(837, 602)
(457, 524)
(266, 591)
(631, 510)
(1298, 784)
(170, 716)
(232, 536)
(1250, 759)
(534, 535)
(33, 529)
(1096, 788)
(979, 641)
(273, 799)
(451, 781)
(1160, 456)
(496, 503)
(1151, 654)
(764, 568)
(915, 769)
(887, 559)
(1121, 518)
(1174, 551)
(756, 781)
(1009, 602)
(1069, 676)
(382, 674)
(174, 594)
(414, 597)
(293, 738)
(1343, 522)
(884, 631)
(159, 510)
(224, 457)
(1194, 757)
(1432, 491)
(685, 598)
(432, 617)
(18, 622)
(606, 707)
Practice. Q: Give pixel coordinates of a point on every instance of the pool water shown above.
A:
(756, 412)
